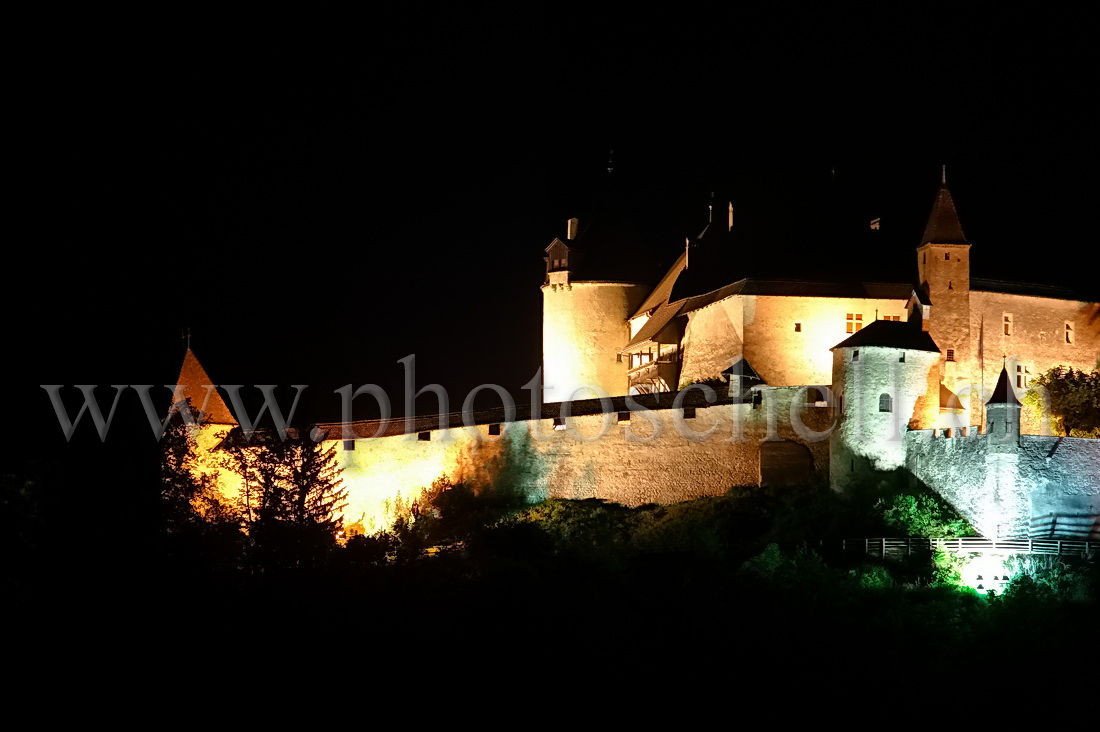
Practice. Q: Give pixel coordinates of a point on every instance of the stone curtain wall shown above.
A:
(723, 450)
(1045, 475)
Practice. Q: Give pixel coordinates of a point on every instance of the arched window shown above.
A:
(885, 403)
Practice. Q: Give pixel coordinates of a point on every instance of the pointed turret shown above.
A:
(194, 384)
(1003, 413)
(943, 225)
(1003, 393)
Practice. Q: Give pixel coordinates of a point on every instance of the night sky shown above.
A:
(314, 217)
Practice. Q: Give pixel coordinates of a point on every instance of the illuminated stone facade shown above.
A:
(907, 371)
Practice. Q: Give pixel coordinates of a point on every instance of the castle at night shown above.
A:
(658, 394)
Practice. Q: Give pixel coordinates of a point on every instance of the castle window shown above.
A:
(494, 429)
(885, 403)
(1008, 324)
(950, 354)
(689, 412)
(559, 423)
(757, 399)
(624, 417)
(854, 322)
(901, 358)
(891, 317)
(798, 328)
(855, 355)
(1069, 332)
(1022, 375)
(947, 256)
(349, 444)
(424, 436)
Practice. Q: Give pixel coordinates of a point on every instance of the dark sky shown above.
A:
(316, 216)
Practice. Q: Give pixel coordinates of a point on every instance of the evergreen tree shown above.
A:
(291, 499)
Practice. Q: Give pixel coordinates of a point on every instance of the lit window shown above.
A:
(424, 436)
(891, 317)
(1069, 332)
(854, 322)
(798, 328)
(1008, 324)
(885, 403)
(950, 354)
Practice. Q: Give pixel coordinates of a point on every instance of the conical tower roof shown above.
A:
(1003, 393)
(192, 384)
(943, 223)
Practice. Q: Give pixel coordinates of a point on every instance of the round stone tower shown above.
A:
(887, 380)
(584, 326)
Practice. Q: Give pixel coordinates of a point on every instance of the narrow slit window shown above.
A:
(901, 358)
(855, 355)
(947, 256)
(1008, 324)
(1069, 332)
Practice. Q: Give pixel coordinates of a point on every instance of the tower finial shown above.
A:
(943, 174)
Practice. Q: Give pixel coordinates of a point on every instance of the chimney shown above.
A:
(571, 228)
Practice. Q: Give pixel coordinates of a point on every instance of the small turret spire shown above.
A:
(943, 175)
(943, 223)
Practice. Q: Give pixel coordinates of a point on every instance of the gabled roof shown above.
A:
(943, 223)
(1003, 393)
(655, 324)
(661, 292)
(192, 384)
(891, 334)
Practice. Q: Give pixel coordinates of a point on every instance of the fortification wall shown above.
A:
(657, 457)
(1003, 492)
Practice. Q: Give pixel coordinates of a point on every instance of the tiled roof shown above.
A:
(943, 223)
(1003, 393)
(191, 385)
(891, 334)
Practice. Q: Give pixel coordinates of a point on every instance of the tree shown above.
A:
(291, 499)
(1073, 398)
